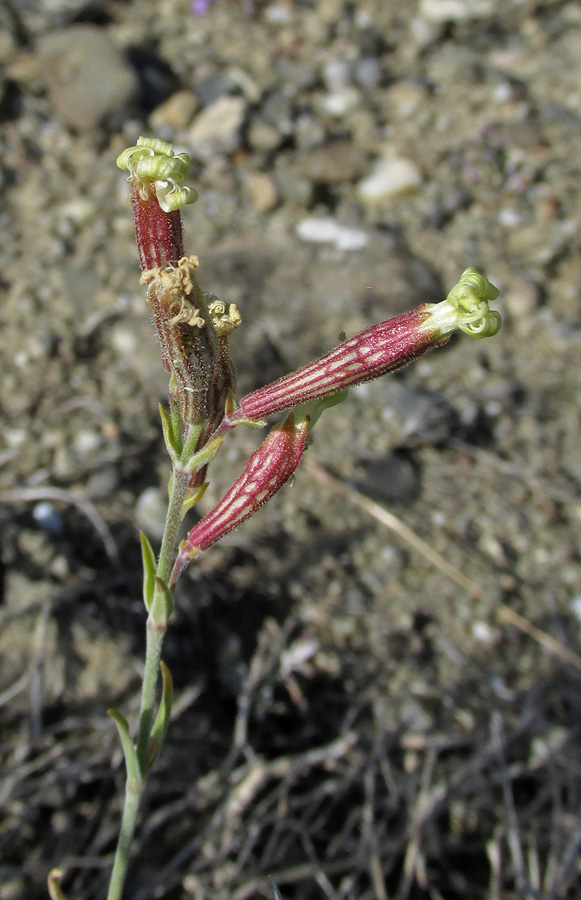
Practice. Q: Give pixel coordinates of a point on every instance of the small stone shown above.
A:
(87, 76)
(8, 47)
(262, 136)
(455, 10)
(393, 478)
(47, 518)
(333, 163)
(278, 13)
(217, 128)
(176, 112)
(277, 111)
(86, 442)
(368, 73)
(262, 191)
(390, 177)
(150, 512)
(338, 103)
(309, 132)
(336, 74)
(325, 230)
(80, 211)
(292, 187)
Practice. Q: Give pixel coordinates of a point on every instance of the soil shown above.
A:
(366, 706)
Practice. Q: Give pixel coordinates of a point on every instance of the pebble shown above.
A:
(367, 73)
(336, 74)
(333, 163)
(326, 230)
(262, 191)
(87, 76)
(389, 177)
(292, 187)
(47, 518)
(86, 442)
(393, 478)
(262, 136)
(150, 512)
(175, 112)
(338, 103)
(217, 128)
(309, 132)
(455, 10)
(277, 111)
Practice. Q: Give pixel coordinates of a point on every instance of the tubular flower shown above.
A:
(267, 470)
(157, 194)
(192, 326)
(380, 349)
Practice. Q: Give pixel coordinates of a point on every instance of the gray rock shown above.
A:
(368, 73)
(217, 129)
(333, 163)
(86, 75)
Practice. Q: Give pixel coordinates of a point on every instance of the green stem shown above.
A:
(155, 636)
(130, 808)
(155, 632)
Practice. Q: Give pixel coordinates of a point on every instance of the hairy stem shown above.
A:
(155, 635)
(130, 808)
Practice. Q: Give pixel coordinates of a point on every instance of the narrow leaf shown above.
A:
(193, 497)
(149, 567)
(131, 764)
(204, 456)
(162, 719)
(162, 606)
(172, 441)
(54, 888)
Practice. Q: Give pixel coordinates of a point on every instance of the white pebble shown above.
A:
(483, 632)
(454, 10)
(325, 230)
(390, 177)
(86, 442)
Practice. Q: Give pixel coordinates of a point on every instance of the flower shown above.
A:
(380, 349)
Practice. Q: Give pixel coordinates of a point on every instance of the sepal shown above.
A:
(314, 409)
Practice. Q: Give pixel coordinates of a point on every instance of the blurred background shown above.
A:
(377, 679)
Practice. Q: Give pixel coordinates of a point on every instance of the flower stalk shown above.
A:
(194, 328)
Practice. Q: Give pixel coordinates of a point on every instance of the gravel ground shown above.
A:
(367, 708)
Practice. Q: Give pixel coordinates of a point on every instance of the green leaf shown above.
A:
(173, 441)
(149, 567)
(193, 496)
(162, 606)
(131, 764)
(204, 456)
(54, 888)
(162, 719)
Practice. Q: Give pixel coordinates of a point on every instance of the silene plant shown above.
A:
(194, 330)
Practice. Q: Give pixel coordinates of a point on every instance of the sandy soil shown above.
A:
(366, 708)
